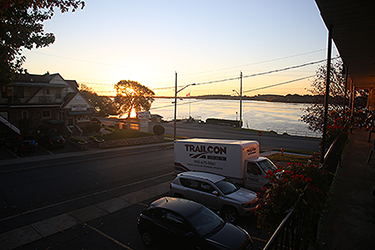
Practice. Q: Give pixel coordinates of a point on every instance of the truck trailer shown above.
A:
(237, 160)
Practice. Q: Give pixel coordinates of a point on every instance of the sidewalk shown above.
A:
(353, 227)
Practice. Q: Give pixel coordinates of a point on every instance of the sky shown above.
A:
(206, 42)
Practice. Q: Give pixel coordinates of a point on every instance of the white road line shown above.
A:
(107, 236)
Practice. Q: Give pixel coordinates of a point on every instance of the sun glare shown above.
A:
(133, 114)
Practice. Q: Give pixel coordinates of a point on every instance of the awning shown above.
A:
(86, 112)
(55, 121)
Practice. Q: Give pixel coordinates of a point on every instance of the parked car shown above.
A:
(20, 143)
(50, 139)
(216, 192)
(185, 224)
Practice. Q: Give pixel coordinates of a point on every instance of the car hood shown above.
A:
(229, 237)
(242, 195)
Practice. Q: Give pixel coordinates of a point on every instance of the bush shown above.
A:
(158, 129)
(92, 128)
(94, 119)
(286, 185)
(76, 139)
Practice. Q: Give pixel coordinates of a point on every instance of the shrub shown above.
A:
(158, 129)
(286, 185)
(76, 139)
(94, 119)
(92, 128)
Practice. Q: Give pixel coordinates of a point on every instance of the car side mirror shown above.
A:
(215, 193)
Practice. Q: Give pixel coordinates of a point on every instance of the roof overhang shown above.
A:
(352, 23)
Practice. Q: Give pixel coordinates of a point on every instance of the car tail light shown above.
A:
(50, 142)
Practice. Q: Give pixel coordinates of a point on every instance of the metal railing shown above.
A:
(288, 233)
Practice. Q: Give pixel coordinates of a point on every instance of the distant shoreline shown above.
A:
(268, 98)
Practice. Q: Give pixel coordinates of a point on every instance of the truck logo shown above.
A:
(206, 149)
(251, 150)
(203, 151)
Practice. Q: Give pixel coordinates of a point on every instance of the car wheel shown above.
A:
(230, 214)
(147, 238)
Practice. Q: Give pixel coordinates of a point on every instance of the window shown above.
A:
(252, 168)
(206, 187)
(25, 114)
(46, 114)
(189, 183)
(47, 91)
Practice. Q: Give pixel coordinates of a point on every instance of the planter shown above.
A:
(133, 141)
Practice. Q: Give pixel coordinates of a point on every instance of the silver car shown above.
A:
(216, 192)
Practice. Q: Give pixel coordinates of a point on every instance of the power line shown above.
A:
(278, 84)
(246, 91)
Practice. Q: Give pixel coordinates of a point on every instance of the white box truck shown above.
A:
(238, 160)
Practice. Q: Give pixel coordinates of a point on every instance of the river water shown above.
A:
(266, 116)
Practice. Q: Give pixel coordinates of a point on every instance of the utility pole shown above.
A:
(240, 99)
(326, 99)
(175, 106)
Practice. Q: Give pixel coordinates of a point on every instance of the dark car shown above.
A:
(20, 143)
(51, 139)
(177, 222)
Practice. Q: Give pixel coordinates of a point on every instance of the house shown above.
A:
(43, 100)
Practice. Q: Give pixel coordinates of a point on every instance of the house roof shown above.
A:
(73, 84)
(353, 24)
(40, 80)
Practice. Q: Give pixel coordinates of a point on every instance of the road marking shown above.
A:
(258, 239)
(85, 196)
(142, 204)
(107, 236)
(11, 152)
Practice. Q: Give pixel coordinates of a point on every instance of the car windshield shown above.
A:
(227, 186)
(267, 165)
(206, 222)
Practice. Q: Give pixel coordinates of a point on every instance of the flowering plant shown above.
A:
(286, 184)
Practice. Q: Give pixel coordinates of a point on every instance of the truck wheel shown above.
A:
(230, 214)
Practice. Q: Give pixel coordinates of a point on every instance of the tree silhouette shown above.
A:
(103, 105)
(132, 95)
(314, 113)
(21, 26)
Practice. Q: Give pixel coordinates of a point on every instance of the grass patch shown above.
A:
(253, 130)
(290, 158)
(297, 151)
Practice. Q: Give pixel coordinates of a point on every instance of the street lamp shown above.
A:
(240, 95)
(175, 103)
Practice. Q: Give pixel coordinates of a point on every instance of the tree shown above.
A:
(104, 105)
(133, 95)
(21, 26)
(314, 113)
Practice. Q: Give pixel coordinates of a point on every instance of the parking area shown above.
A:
(7, 153)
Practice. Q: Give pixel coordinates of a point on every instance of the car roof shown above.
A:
(179, 205)
(203, 175)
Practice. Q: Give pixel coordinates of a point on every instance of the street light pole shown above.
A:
(175, 104)
(240, 95)
(241, 99)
